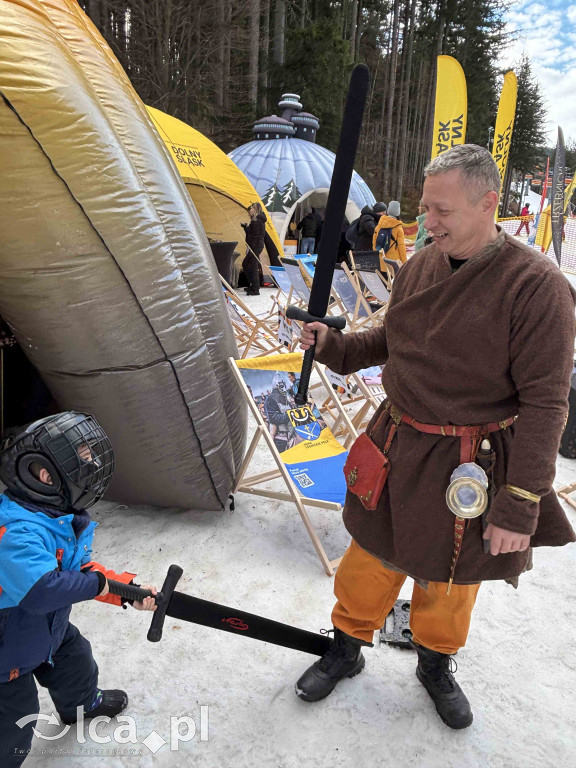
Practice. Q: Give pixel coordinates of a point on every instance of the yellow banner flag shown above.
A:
(544, 231)
(451, 106)
(569, 192)
(505, 123)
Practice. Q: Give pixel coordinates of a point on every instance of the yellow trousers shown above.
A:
(366, 592)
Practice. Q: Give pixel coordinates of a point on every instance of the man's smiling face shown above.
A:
(458, 216)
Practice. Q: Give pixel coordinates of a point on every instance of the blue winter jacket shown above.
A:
(40, 579)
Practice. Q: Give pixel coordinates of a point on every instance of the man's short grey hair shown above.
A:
(477, 165)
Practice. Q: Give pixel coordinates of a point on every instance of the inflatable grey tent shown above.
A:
(106, 276)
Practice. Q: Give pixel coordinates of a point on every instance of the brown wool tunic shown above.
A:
(495, 339)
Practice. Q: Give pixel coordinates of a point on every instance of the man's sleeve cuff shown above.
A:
(514, 514)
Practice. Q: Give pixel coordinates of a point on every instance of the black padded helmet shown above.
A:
(72, 447)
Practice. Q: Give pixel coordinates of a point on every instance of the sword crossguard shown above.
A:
(170, 582)
(297, 313)
(131, 592)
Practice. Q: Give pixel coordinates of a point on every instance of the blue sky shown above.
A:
(548, 36)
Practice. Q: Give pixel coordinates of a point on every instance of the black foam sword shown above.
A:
(335, 211)
(184, 607)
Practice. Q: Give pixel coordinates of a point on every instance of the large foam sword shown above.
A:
(335, 211)
(184, 607)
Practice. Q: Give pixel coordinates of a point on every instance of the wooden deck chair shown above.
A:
(268, 316)
(374, 261)
(307, 272)
(295, 276)
(368, 261)
(283, 282)
(347, 286)
(283, 295)
(307, 457)
(309, 262)
(349, 296)
(306, 266)
(361, 391)
(369, 383)
(564, 494)
(255, 335)
(376, 285)
(389, 269)
(288, 330)
(342, 394)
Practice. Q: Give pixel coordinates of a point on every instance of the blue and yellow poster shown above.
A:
(309, 450)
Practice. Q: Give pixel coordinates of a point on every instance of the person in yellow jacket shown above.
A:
(389, 235)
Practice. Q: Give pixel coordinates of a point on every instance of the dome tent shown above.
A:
(106, 276)
(287, 167)
(220, 191)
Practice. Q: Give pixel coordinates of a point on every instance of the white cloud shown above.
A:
(547, 35)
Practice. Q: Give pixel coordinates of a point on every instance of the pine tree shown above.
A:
(290, 194)
(475, 35)
(317, 67)
(529, 134)
(272, 200)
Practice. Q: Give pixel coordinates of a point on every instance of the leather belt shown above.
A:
(470, 438)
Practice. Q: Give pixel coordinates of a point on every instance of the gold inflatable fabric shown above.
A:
(106, 275)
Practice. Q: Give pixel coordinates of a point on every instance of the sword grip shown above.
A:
(301, 397)
(297, 313)
(129, 591)
(170, 582)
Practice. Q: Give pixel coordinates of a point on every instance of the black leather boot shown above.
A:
(343, 659)
(435, 672)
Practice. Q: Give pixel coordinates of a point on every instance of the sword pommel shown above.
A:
(170, 582)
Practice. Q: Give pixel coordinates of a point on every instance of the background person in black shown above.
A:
(367, 222)
(308, 227)
(255, 231)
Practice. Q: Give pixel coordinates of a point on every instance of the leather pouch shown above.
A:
(366, 470)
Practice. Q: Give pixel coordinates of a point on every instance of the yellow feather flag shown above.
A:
(544, 231)
(451, 106)
(505, 123)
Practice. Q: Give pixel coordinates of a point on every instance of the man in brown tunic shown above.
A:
(478, 344)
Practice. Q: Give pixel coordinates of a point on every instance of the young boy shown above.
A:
(53, 470)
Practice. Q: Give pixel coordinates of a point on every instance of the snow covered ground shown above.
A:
(518, 669)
